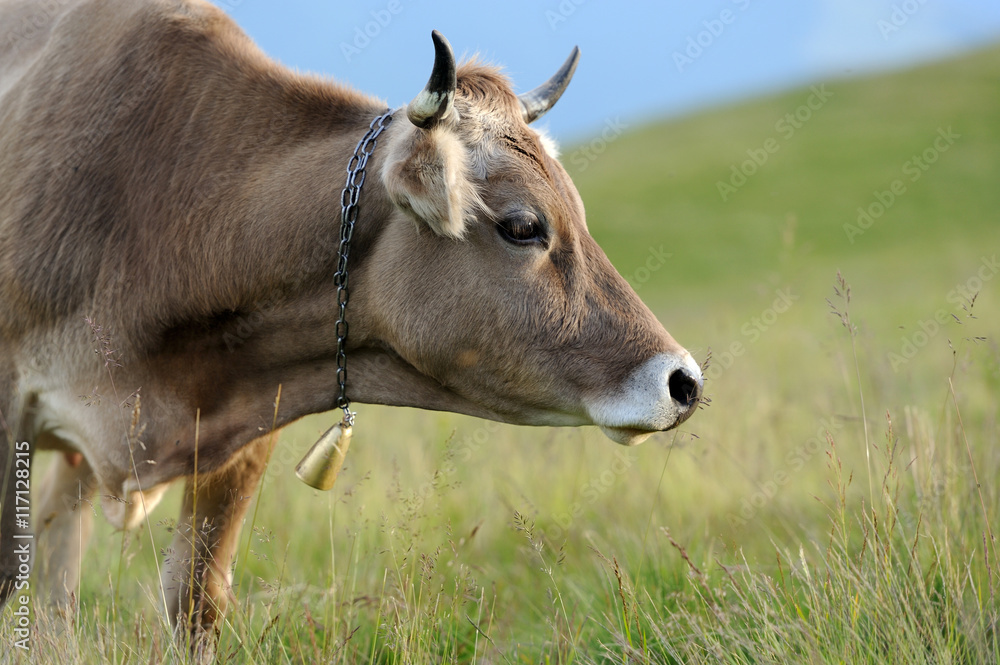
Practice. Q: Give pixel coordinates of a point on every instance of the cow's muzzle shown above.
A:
(658, 395)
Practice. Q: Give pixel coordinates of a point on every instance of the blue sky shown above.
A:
(640, 61)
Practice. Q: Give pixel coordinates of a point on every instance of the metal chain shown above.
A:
(349, 202)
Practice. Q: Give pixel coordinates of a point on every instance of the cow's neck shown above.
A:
(273, 300)
(251, 284)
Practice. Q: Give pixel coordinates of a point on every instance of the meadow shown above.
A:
(831, 254)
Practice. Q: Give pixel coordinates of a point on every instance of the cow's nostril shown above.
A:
(683, 387)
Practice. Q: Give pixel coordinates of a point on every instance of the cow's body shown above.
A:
(170, 198)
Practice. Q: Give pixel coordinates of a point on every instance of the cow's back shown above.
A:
(107, 111)
(51, 61)
(77, 80)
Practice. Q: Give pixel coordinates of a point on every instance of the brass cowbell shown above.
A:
(320, 466)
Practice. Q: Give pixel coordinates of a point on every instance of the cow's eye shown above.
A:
(521, 228)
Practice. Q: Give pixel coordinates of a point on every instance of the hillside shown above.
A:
(775, 184)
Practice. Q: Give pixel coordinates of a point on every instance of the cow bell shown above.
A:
(320, 466)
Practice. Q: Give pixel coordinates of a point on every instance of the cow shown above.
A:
(170, 219)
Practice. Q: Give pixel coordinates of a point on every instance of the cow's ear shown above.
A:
(426, 174)
(426, 171)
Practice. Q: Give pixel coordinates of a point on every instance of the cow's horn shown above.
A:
(536, 102)
(436, 100)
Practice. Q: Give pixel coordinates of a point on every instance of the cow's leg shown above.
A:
(14, 454)
(9, 546)
(196, 576)
(65, 516)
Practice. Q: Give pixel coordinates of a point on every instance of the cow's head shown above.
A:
(487, 291)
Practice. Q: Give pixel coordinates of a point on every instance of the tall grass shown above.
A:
(907, 576)
(421, 561)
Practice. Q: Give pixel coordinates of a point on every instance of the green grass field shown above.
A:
(837, 501)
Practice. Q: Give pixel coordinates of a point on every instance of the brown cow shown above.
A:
(171, 198)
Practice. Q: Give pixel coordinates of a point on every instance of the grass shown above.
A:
(834, 503)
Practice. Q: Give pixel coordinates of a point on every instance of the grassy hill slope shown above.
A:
(661, 182)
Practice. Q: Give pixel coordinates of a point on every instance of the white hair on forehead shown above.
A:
(484, 146)
(548, 143)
